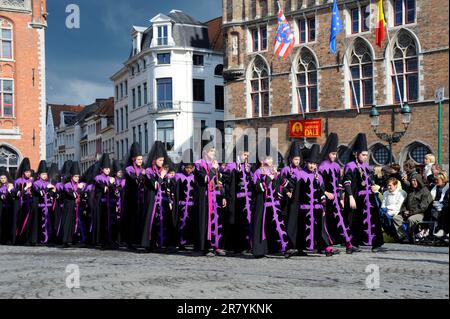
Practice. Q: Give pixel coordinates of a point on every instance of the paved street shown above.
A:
(405, 272)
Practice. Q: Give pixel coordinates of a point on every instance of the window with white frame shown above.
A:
(406, 61)
(306, 30)
(259, 92)
(6, 43)
(361, 80)
(258, 37)
(404, 11)
(306, 71)
(360, 19)
(7, 98)
(163, 35)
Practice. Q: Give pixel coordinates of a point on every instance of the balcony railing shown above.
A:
(164, 106)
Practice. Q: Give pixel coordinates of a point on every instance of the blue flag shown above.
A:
(336, 27)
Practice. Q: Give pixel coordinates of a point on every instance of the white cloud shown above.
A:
(76, 91)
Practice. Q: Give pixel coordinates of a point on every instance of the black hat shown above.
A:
(105, 162)
(24, 166)
(158, 150)
(65, 170)
(360, 143)
(4, 172)
(312, 155)
(116, 167)
(75, 169)
(89, 176)
(42, 167)
(135, 151)
(53, 174)
(295, 150)
(331, 145)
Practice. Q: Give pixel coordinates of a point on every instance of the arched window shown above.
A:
(9, 159)
(406, 61)
(260, 85)
(379, 155)
(218, 70)
(306, 71)
(417, 152)
(361, 68)
(6, 39)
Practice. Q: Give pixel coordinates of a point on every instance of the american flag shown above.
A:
(285, 38)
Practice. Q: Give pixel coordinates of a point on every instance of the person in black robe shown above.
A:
(74, 205)
(269, 229)
(135, 198)
(158, 230)
(211, 197)
(238, 182)
(44, 199)
(6, 207)
(88, 217)
(54, 178)
(118, 174)
(330, 171)
(312, 201)
(184, 202)
(360, 201)
(23, 206)
(64, 178)
(104, 210)
(290, 190)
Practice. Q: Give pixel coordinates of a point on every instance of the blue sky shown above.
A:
(81, 61)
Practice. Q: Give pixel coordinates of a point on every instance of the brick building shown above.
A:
(22, 81)
(263, 90)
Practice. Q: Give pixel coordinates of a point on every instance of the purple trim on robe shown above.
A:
(307, 176)
(333, 169)
(188, 202)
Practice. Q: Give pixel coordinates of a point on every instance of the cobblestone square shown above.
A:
(40, 273)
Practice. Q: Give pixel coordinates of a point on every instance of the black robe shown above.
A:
(208, 228)
(290, 183)
(104, 210)
(44, 205)
(74, 227)
(269, 230)
(312, 202)
(22, 212)
(184, 205)
(364, 221)
(238, 183)
(337, 224)
(135, 206)
(6, 214)
(157, 219)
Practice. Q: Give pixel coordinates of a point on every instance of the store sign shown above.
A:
(305, 128)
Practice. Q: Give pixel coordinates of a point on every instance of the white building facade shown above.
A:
(172, 80)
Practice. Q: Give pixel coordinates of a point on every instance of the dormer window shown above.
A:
(163, 35)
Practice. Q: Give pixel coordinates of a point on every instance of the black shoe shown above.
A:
(352, 250)
(378, 249)
(290, 253)
(65, 246)
(210, 253)
(329, 253)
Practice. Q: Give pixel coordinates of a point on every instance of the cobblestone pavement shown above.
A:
(40, 272)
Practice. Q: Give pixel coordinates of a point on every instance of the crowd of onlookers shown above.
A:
(414, 203)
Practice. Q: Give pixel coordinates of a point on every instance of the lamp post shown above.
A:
(393, 137)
